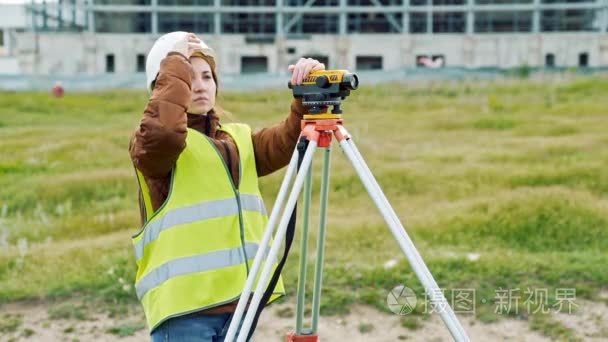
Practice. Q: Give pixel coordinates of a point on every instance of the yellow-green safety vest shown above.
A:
(191, 253)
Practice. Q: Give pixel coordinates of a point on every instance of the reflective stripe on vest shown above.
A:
(192, 264)
(197, 212)
(193, 252)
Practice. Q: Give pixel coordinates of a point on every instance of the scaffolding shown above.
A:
(304, 17)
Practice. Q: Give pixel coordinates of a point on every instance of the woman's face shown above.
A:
(203, 87)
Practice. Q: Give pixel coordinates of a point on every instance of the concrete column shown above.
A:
(73, 3)
(279, 17)
(470, 17)
(154, 24)
(281, 42)
(91, 16)
(33, 18)
(59, 14)
(405, 17)
(217, 27)
(604, 21)
(536, 17)
(429, 18)
(45, 21)
(342, 18)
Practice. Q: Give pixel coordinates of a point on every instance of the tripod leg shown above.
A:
(280, 235)
(316, 297)
(303, 254)
(404, 241)
(257, 261)
(379, 194)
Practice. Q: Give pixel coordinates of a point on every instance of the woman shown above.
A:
(202, 212)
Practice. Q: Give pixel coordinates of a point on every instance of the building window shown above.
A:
(1, 38)
(291, 50)
(122, 2)
(254, 64)
(314, 23)
(369, 63)
(448, 2)
(502, 2)
(141, 63)
(116, 22)
(186, 2)
(583, 60)
(433, 62)
(549, 60)
(518, 21)
(189, 22)
(449, 22)
(256, 23)
(570, 20)
(563, 1)
(370, 3)
(110, 63)
(418, 22)
(317, 3)
(248, 3)
(373, 22)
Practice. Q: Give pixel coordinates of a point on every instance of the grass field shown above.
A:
(501, 185)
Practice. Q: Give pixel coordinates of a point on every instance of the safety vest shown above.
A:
(195, 251)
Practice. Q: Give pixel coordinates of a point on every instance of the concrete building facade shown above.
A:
(105, 36)
(13, 20)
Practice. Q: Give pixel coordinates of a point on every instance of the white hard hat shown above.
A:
(162, 46)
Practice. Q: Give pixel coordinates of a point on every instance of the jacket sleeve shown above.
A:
(161, 135)
(274, 145)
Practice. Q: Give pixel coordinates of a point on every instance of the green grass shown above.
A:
(10, 323)
(126, 329)
(513, 171)
(549, 327)
(68, 311)
(366, 328)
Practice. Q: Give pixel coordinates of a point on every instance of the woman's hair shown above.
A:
(222, 113)
(211, 62)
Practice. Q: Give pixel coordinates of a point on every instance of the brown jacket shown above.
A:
(161, 136)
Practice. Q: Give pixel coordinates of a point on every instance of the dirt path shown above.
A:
(67, 322)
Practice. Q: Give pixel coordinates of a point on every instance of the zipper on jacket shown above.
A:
(238, 200)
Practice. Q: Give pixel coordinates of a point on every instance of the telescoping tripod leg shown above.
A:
(310, 334)
(303, 255)
(407, 246)
(259, 257)
(274, 250)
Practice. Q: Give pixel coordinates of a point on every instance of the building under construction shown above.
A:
(250, 36)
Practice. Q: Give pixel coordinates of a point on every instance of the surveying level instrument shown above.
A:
(320, 90)
(325, 88)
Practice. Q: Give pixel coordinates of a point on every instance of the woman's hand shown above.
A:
(302, 68)
(188, 45)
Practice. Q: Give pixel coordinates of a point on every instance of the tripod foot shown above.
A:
(292, 337)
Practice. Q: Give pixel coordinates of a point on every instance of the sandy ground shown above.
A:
(361, 324)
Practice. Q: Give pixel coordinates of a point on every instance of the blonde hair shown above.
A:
(223, 114)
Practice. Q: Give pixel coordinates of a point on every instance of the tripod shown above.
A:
(318, 130)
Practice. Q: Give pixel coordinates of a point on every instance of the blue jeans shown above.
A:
(194, 327)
